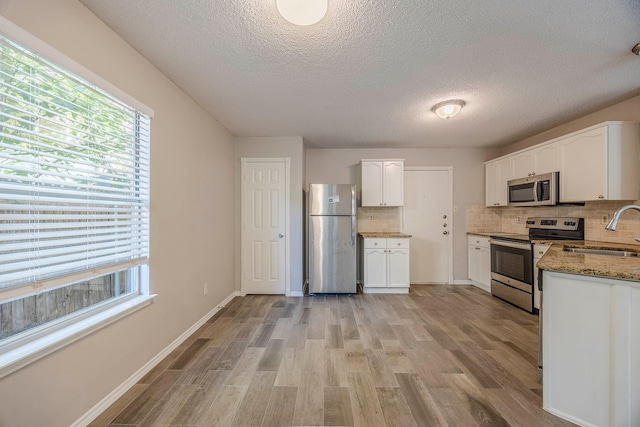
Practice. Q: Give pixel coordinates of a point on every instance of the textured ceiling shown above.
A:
(369, 72)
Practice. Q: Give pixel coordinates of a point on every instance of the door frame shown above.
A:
(287, 217)
(449, 169)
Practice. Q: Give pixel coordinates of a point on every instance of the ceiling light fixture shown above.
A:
(302, 12)
(448, 109)
(636, 49)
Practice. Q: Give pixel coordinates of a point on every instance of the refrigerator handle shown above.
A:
(353, 230)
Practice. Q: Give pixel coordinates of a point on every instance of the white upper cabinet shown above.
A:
(382, 182)
(600, 163)
(546, 159)
(538, 160)
(497, 173)
(522, 164)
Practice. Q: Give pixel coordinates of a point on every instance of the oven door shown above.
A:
(512, 264)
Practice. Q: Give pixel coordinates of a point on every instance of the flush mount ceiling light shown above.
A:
(448, 109)
(302, 12)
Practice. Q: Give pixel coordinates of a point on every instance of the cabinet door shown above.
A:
(474, 264)
(484, 266)
(393, 183)
(545, 159)
(583, 166)
(491, 179)
(497, 173)
(375, 268)
(522, 164)
(371, 183)
(398, 260)
(505, 176)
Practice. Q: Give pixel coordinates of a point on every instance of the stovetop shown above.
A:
(547, 228)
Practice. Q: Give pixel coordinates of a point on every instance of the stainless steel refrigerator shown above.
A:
(332, 239)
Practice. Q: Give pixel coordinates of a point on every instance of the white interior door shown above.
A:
(427, 217)
(264, 227)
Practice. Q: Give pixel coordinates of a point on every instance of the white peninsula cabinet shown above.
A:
(385, 265)
(480, 261)
(600, 163)
(382, 182)
(591, 349)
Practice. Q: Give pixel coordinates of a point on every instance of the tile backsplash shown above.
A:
(383, 219)
(481, 219)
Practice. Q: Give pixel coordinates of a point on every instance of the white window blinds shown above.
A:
(74, 175)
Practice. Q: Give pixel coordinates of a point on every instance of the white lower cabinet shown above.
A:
(480, 262)
(385, 265)
(591, 349)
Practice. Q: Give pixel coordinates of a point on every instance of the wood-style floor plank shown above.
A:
(337, 407)
(439, 356)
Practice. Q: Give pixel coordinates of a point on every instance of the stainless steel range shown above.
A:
(512, 257)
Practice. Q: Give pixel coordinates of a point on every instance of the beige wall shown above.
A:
(293, 148)
(192, 222)
(341, 166)
(628, 110)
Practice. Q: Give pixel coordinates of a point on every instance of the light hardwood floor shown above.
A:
(441, 355)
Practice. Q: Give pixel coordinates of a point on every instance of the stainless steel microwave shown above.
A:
(537, 190)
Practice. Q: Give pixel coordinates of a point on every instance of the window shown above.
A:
(74, 198)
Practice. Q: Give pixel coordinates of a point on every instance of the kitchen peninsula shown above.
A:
(591, 333)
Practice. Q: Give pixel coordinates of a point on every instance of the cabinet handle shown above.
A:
(477, 249)
(600, 196)
(540, 252)
(445, 232)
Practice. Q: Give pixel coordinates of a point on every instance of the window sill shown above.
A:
(20, 357)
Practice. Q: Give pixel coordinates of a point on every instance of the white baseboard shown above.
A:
(101, 406)
(462, 282)
(296, 294)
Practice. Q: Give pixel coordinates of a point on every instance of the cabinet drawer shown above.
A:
(481, 241)
(375, 243)
(401, 243)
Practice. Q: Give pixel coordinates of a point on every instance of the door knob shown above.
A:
(280, 235)
(445, 232)
(444, 217)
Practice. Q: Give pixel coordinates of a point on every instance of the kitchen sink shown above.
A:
(596, 251)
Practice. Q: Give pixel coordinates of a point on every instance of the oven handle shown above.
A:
(526, 246)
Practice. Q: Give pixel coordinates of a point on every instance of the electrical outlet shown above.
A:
(370, 217)
(519, 219)
(205, 289)
(605, 219)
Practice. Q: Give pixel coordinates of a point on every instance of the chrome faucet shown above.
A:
(616, 216)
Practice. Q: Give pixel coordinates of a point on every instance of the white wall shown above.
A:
(293, 148)
(341, 166)
(192, 222)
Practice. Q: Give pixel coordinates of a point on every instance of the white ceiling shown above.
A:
(369, 72)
